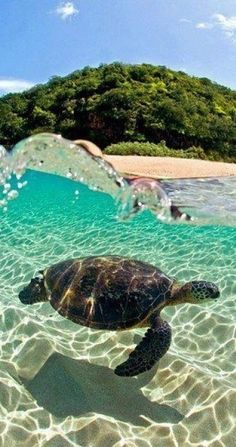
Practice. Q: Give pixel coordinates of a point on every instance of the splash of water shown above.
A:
(208, 201)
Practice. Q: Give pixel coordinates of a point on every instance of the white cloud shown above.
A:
(66, 10)
(204, 25)
(14, 85)
(226, 24)
(183, 20)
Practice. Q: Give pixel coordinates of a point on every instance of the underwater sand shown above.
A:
(57, 386)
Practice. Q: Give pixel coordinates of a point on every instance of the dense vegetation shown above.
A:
(156, 150)
(127, 103)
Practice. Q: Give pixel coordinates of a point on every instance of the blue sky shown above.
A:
(40, 39)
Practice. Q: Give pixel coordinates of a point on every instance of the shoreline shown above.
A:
(169, 167)
(162, 167)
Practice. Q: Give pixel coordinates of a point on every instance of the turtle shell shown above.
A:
(106, 292)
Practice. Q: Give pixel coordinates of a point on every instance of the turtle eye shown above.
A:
(35, 282)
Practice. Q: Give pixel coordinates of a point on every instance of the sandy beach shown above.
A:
(169, 167)
(162, 166)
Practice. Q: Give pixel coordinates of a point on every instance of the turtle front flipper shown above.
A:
(152, 347)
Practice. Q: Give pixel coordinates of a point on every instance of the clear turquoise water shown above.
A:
(57, 386)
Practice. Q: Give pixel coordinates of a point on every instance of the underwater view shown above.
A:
(57, 380)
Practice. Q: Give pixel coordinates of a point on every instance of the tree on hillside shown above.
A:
(119, 102)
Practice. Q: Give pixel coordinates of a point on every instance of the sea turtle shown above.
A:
(117, 293)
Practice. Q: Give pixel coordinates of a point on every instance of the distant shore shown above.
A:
(170, 167)
(159, 167)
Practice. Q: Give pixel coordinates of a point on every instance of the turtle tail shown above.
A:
(35, 292)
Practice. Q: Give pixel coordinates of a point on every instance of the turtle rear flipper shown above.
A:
(152, 347)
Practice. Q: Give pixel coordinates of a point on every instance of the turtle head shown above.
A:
(204, 291)
(196, 292)
(34, 292)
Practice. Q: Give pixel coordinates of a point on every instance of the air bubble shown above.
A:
(21, 185)
(13, 194)
(7, 187)
(3, 202)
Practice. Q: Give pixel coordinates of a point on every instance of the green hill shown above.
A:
(124, 103)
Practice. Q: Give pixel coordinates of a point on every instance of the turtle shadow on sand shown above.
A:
(65, 387)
